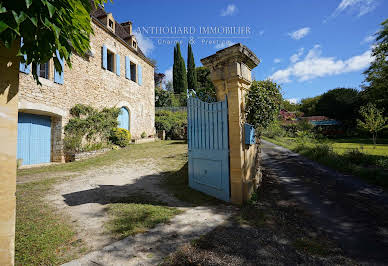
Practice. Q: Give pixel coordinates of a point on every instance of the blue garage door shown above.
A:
(124, 118)
(34, 138)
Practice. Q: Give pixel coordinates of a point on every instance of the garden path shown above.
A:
(84, 199)
(352, 212)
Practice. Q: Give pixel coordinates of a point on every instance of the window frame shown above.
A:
(110, 64)
(133, 69)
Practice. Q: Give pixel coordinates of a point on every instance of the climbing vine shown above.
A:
(263, 103)
(89, 127)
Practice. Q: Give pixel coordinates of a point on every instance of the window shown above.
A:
(44, 71)
(134, 45)
(133, 72)
(110, 61)
(111, 24)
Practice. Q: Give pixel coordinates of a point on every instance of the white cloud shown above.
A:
(314, 65)
(230, 10)
(168, 75)
(299, 34)
(223, 45)
(261, 33)
(295, 57)
(362, 7)
(277, 60)
(293, 100)
(144, 43)
(368, 39)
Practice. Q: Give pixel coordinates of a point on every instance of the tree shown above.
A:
(179, 72)
(191, 73)
(341, 104)
(206, 91)
(308, 105)
(162, 98)
(290, 107)
(47, 26)
(263, 103)
(373, 120)
(375, 88)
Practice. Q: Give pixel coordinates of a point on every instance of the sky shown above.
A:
(306, 46)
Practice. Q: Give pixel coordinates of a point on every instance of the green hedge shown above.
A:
(174, 123)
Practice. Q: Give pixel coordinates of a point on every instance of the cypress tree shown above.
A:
(179, 72)
(191, 73)
(174, 71)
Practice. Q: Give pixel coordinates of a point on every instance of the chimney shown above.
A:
(127, 27)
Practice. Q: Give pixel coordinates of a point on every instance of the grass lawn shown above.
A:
(44, 237)
(355, 156)
(138, 214)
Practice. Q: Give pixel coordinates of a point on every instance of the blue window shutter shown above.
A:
(104, 57)
(23, 67)
(127, 67)
(140, 74)
(58, 78)
(118, 65)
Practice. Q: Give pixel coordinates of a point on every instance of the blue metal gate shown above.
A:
(208, 143)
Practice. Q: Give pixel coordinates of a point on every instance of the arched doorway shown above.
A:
(123, 118)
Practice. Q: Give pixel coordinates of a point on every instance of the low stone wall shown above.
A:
(145, 140)
(72, 157)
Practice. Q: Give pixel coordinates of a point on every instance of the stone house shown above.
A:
(114, 73)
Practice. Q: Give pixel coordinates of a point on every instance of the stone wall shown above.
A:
(9, 69)
(87, 82)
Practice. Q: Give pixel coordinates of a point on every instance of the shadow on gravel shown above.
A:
(167, 188)
(272, 231)
(352, 213)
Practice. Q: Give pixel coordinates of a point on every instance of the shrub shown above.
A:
(274, 130)
(73, 142)
(143, 135)
(321, 151)
(120, 137)
(262, 104)
(355, 156)
(88, 127)
(174, 123)
(304, 125)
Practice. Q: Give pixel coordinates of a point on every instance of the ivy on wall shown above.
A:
(263, 104)
(89, 128)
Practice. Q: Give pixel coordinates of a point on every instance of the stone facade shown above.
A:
(87, 82)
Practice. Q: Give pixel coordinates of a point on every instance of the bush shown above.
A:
(73, 142)
(174, 123)
(89, 128)
(274, 130)
(262, 104)
(143, 135)
(120, 137)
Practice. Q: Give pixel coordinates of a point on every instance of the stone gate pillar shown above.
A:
(230, 71)
(9, 86)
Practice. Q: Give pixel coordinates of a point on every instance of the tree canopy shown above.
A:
(375, 88)
(47, 26)
(340, 104)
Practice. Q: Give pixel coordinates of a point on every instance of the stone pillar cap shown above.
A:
(236, 53)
